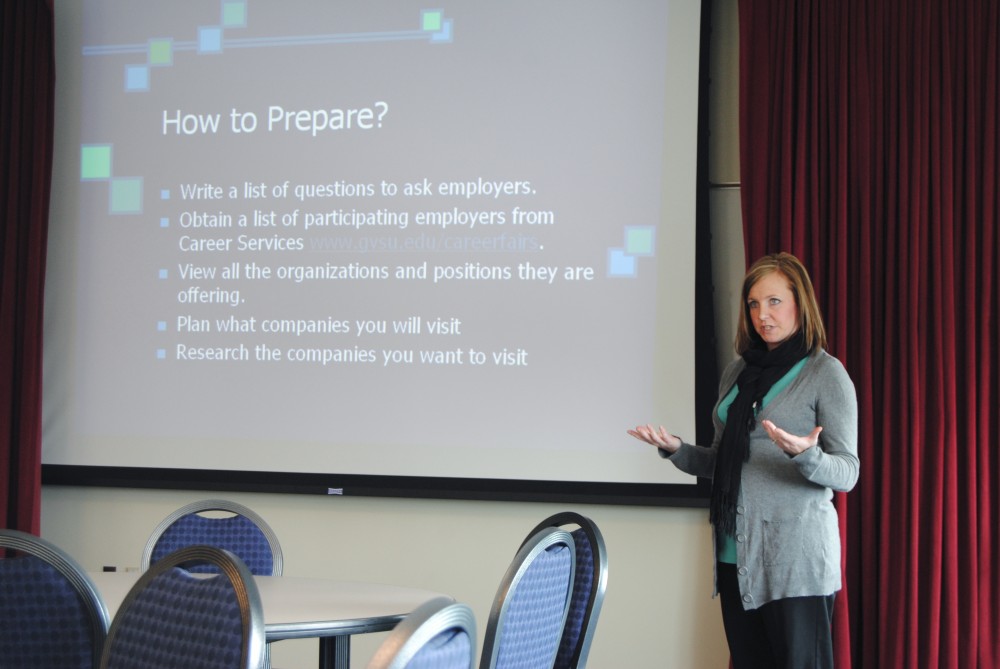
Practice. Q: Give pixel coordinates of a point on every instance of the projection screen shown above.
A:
(373, 247)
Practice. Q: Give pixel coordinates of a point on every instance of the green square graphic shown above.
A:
(126, 195)
(95, 161)
(431, 21)
(161, 52)
(639, 241)
(234, 14)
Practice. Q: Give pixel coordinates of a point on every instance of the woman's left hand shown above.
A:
(791, 443)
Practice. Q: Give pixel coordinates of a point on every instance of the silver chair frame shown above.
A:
(423, 624)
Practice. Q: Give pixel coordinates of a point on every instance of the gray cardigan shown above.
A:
(787, 536)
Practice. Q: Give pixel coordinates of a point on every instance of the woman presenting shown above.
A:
(785, 439)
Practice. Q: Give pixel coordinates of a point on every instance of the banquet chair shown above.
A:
(531, 605)
(439, 634)
(173, 617)
(51, 614)
(589, 585)
(240, 530)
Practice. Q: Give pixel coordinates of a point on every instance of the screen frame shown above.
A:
(360, 485)
(512, 490)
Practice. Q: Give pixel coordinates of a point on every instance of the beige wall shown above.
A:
(658, 611)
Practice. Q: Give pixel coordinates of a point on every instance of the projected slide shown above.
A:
(372, 237)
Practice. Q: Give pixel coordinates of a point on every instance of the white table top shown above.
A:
(300, 607)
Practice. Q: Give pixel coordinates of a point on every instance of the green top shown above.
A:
(726, 543)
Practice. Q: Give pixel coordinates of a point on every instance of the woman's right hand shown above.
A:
(658, 437)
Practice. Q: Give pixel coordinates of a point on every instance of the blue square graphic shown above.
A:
(443, 35)
(136, 78)
(210, 39)
(620, 264)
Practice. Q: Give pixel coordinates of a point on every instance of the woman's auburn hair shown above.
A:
(810, 319)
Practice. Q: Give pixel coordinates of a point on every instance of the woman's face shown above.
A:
(772, 308)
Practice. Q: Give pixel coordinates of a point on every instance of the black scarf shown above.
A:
(763, 369)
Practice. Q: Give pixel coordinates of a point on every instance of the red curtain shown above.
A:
(27, 89)
(870, 149)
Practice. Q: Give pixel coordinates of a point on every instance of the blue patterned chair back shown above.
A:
(589, 586)
(243, 533)
(439, 634)
(50, 613)
(529, 613)
(174, 618)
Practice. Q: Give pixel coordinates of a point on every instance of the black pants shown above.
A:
(791, 633)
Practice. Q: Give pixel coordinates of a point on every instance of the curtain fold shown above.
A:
(27, 90)
(869, 148)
